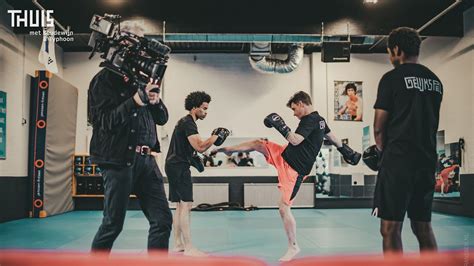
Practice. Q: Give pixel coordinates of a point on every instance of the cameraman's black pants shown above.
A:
(145, 180)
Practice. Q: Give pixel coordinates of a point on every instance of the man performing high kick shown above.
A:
(294, 160)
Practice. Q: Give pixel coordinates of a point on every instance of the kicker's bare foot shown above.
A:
(178, 248)
(292, 252)
(194, 252)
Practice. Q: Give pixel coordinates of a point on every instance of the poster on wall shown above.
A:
(365, 137)
(447, 178)
(448, 167)
(348, 101)
(3, 125)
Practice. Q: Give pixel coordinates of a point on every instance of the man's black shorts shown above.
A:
(404, 186)
(180, 183)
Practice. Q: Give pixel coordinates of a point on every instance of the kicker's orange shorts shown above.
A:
(286, 174)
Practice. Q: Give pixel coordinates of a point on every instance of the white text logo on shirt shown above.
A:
(322, 125)
(423, 84)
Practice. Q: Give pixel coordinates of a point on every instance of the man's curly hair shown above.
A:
(196, 99)
(407, 39)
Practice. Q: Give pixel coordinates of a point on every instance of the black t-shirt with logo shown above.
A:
(302, 156)
(180, 150)
(412, 95)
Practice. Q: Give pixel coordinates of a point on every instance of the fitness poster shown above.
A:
(348, 101)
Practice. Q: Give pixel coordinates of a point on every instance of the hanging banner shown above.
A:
(47, 56)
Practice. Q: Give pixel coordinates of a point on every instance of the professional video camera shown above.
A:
(133, 57)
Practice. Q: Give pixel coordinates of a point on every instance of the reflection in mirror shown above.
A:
(237, 159)
(448, 169)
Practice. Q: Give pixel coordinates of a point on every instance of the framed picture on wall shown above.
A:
(448, 167)
(447, 179)
(348, 101)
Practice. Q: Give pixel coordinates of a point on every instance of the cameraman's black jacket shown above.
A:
(114, 116)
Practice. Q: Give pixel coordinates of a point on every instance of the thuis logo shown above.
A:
(31, 18)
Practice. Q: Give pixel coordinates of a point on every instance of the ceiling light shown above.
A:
(370, 1)
(114, 2)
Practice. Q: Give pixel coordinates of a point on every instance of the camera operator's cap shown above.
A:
(136, 27)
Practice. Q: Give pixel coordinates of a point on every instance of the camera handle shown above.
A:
(141, 90)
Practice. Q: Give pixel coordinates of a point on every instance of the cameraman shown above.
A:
(124, 143)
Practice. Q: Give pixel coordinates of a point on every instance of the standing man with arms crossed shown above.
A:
(405, 126)
(185, 142)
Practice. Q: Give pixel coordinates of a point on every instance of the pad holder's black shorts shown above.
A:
(180, 183)
(404, 186)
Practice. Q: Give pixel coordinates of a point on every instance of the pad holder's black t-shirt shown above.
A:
(412, 95)
(180, 150)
